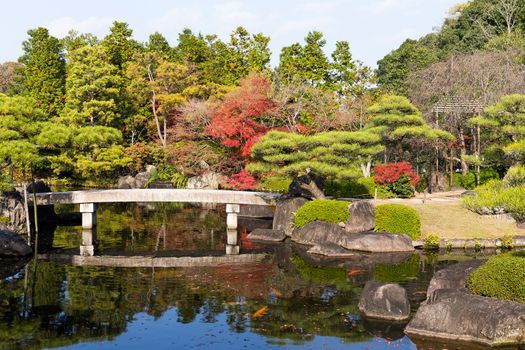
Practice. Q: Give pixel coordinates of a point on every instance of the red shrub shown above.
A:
(243, 180)
(391, 172)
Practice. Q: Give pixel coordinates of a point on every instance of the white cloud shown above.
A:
(95, 25)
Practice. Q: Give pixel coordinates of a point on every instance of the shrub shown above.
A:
(363, 187)
(398, 218)
(431, 242)
(243, 180)
(494, 198)
(275, 184)
(502, 277)
(515, 176)
(322, 210)
(468, 181)
(398, 178)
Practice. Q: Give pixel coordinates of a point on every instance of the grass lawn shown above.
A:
(451, 220)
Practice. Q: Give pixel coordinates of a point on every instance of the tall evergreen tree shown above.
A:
(119, 45)
(93, 87)
(45, 70)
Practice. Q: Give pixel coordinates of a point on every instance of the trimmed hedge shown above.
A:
(361, 187)
(322, 210)
(502, 277)
(398, 218)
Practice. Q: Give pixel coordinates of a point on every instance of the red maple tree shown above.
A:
(239, 121)
(391, 172)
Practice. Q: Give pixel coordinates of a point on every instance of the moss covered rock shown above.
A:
(322, 210)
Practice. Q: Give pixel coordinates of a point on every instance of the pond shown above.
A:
(288, 300)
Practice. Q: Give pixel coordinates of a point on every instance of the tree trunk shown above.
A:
(313, 189)
(366, 168)
(464, 165)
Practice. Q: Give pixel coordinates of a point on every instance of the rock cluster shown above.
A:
(452, 313)
(138, 181)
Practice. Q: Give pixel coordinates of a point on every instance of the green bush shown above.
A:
(322, 210)
(398, 218)
(431, 242)
(275, 184)
(515, 176)
(363, 187)
(502, 277)
(468, 181)
(494, 198)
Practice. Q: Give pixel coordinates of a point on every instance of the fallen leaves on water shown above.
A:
(261, 312)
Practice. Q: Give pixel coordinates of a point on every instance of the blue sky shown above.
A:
(373, 27)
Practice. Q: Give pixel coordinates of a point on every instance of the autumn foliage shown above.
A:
(391, 172)
(243, 180)
(239, 121)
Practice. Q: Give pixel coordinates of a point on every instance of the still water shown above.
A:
(287, 301)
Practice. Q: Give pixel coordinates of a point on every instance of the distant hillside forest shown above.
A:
(83, 109)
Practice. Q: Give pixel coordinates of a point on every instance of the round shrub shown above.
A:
(398, 218)
(515, 176)
(322, 210)
(502, 277)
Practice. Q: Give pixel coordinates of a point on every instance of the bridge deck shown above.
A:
(156, 195)
(148, 261)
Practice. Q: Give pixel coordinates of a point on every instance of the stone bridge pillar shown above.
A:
(89, 228)
(232, 244)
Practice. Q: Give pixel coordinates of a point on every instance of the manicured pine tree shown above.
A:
(329, 155)
(398, 122)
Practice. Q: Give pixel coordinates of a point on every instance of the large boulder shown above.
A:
(12, 207)
(377, 242)
(453, 277)
(284, 213)
(362, 217)
(12, 244)
(207, 181)
(142, 179)
(454, 314)
(126, 182)
(384, 301)
(319, 233)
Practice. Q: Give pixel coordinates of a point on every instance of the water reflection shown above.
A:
(290, 300)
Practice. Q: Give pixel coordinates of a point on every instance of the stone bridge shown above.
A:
(88, 201)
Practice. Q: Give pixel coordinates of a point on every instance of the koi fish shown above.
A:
(355, 272)
(261, 312)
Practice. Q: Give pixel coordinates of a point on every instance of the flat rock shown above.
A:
(455, 315)
(362, 217)
(319, 232)
(207, 181)
(453, 277)
(284, 213)
(12, 244)
(270, 235)
(377, 242)
(126, 182)
(384, 301)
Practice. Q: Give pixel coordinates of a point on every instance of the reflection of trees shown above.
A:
(61, 304)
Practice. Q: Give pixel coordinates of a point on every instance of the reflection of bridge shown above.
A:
(150, 261)
(88, 201)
